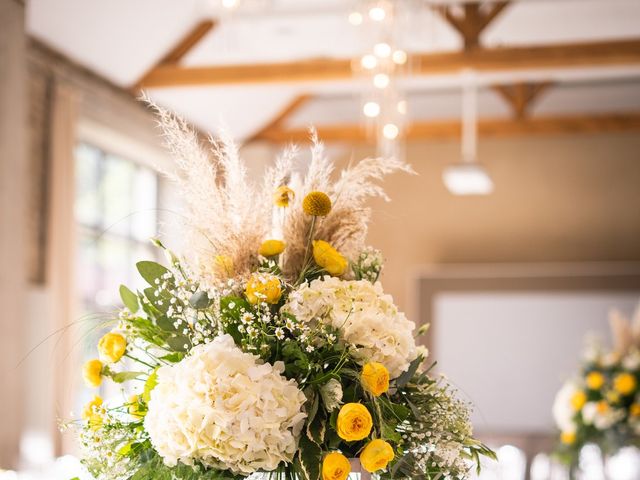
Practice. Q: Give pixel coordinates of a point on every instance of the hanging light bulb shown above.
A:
(377, 14)
(381, 80)
(355, 18)
(369, 62)
(371, 109)
(402, 107)
(399, 57)
(390, 131)
(382, 49)
(230, 4)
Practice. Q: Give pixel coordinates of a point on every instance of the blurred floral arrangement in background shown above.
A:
(270, 346)
(601, 405)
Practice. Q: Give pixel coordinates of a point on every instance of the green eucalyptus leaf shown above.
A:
(121, 377)
(151, 271)
(178, 342)
(404, 378)
(129, 299)
(200, 300)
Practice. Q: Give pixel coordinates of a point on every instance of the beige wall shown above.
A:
(557, 198)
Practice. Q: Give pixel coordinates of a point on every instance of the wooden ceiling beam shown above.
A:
(594, 54)
(177, 53)
(474, 21)
(521, 96)
(278, 121)
(486, 128)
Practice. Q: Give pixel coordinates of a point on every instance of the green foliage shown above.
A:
(129, 299)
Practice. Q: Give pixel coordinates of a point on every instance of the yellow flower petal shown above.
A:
(329, 258)
(283, 196)
(375, 378)
(335, 466)
(271, 248)
(112, 347)
(92, 373)
(354, 422)
(376, 455)
(263, 287)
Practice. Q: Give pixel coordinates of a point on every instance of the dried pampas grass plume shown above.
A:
(226, 216)
(229, 217)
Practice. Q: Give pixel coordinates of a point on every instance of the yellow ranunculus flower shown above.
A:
(335, 466)
(578, 400)
(112, 347)
(263, 287)
(354, 422)
(624, 383)
(634, 410)
(568, 438)
(92, 412)
(316, 204)
(134, 407)
(283, 196)
(595, 380)
(329, 258)
(376, 455)
(92, 373)
(375, 378)
(271, 248)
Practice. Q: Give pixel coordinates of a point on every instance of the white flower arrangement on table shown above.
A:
(279, 354)
(601, 405)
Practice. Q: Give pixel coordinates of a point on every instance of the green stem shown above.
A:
(139, 361)
(308, 249)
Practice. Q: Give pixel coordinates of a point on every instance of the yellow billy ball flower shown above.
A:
(354, 422)
(578, 400)
(634, 410)
(283, 196)
(376, 455)
(335, 466)
(92, 413)
(375, 378)
(595, 380)
(92, 373)
(112, 347)
(316, 204)
(271, 248)
(329, 258)
(624, 383)
(568, 438)
(263, 287)
(134, 407)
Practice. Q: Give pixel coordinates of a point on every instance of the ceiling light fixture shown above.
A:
(399, 57)
(382, 49)
(377, 14)
(371, 109)
(468, 177)
(390, 131)
(355, 18)
(381, 80)
(369, 62)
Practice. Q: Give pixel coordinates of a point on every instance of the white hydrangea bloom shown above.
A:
(221, 407)
(367, 317)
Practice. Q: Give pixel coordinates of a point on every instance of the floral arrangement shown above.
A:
(271, 347)
(602, 404)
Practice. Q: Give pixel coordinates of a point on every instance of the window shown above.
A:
(116, 214)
